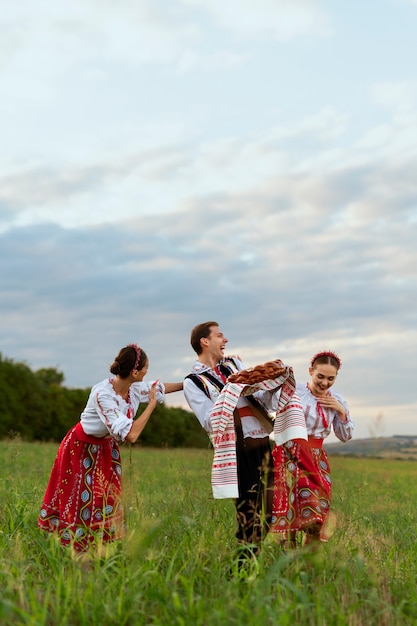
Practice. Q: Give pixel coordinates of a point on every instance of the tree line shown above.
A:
(38, 407)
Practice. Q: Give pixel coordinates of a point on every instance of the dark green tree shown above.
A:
(37, 406)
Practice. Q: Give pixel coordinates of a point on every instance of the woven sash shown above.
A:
(289, 424)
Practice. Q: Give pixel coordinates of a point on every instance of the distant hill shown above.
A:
(396, 447)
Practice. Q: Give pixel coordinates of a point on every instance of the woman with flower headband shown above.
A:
(302, 482)
(82, 503)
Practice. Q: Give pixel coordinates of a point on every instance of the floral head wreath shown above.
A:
(330, 354)
(137, 350)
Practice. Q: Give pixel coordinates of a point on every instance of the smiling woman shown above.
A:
(302, 482)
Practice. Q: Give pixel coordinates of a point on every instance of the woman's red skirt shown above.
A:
(302, 487)
(82, 502)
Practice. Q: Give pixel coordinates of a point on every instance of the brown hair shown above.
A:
(326, 358)
(199, 332)
(126, 360)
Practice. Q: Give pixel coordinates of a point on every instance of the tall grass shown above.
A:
(177, 565)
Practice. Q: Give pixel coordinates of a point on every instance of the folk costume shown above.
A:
(236, 416)
(302, 480)
(82, 502)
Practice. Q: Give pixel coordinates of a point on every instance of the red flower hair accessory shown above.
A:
(327, 353)
(137, 350)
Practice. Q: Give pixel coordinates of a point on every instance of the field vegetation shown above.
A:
(177, 566)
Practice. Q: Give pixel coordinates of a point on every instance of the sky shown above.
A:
(164, 163)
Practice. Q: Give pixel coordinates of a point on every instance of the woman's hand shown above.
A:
(330, 402)
(139, 424)
(152, 395)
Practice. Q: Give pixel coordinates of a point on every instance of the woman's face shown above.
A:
(322, 378)
(140, 374)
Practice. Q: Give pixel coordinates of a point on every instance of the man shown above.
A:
(253, 451)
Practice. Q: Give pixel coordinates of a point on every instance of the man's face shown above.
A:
(215, 343)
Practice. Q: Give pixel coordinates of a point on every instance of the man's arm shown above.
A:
(199, 403)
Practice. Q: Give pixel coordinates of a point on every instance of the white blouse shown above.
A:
(201, 404)
(319, 420)
(108, 414)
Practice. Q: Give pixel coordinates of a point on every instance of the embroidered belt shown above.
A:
(245, 411)
(313, 442)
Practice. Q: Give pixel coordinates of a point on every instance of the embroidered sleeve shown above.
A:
(117, 420)
(140, 392)
(343, 430)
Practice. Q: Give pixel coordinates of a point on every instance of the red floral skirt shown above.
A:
(302, 487)
(82, 502)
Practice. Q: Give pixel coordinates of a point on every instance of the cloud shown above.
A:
(219, 61)
(280, 19)
(161, 178)
(288, 277)
(399, 96)
(63, 35)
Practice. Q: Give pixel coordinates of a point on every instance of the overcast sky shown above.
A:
(167, 162)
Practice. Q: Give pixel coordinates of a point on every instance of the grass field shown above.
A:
(174, 566)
